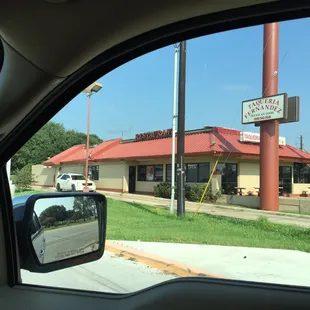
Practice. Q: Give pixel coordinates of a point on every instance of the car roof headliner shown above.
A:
(48, 45)
(61, 37)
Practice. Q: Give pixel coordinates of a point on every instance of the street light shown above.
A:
(93, 88)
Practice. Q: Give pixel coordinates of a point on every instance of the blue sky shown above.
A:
(222, 70)
(44, 203)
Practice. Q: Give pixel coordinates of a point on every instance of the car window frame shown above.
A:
(64, 93)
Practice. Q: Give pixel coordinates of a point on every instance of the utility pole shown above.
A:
(174, 119)
(269, 130)
(301, 143)
(181, 131)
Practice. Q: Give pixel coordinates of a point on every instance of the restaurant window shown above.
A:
(197, 173)
(169, 172)
(301, 173)
(229, 174)
(285, 179)
(150, 173)
(93, 173)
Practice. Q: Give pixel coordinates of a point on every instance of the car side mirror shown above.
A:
(60, 230)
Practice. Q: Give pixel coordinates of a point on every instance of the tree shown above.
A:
(59, 213)
(49, 141)
(85, 206)
(23, 179)
(70, 214)
(48, 222)
(76, 216)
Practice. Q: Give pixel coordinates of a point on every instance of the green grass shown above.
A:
(30, 192)
(129, 221)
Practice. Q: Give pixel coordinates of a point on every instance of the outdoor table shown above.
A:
(239, 190)
(280, 190)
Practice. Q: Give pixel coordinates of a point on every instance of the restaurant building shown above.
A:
(137, 165)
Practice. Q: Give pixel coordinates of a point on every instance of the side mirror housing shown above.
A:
(59, 230)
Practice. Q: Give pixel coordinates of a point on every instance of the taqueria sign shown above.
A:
(264, 109)
(255, 138)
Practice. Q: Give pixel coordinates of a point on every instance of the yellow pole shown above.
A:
(207, 185)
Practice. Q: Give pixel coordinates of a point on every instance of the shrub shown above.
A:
(48, 221)
(192, 192)
(163, 190)
(210, 197)
(23, 179)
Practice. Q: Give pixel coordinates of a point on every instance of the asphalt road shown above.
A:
(70, 241)
(110, 274)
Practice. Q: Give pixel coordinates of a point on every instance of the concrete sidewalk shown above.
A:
(213, 209)
(237, 263)
(218, 210)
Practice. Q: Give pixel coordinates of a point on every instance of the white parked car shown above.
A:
(73, 182)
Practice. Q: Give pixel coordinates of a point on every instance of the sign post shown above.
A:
(268, 112)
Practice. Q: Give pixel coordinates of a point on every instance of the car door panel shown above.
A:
(38, 238)
(61, 181)
(64, 182)
(179, 294)
(38, 242)
(68, 183)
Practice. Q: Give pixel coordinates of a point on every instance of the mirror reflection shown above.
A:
(64, 227)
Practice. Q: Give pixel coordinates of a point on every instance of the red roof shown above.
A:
(215, 141)
(77, 153)
(81, 154)
(57, 159)
(212, 140)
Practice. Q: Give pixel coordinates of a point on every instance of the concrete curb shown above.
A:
(157, 262)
